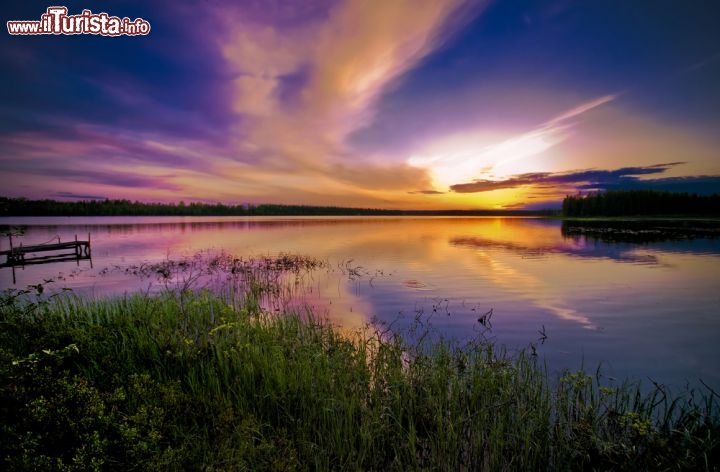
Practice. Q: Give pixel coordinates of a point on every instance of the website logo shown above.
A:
(57, 21)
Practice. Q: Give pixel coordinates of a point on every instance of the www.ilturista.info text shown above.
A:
(57, 21)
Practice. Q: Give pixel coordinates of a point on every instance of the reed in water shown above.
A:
(198, 379)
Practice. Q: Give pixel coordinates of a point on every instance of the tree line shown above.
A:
(47, 207)
(26, 207)
(641, 203)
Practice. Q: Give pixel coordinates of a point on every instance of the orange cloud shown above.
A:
(301, 90)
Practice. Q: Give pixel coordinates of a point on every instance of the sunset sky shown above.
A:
(422, 104)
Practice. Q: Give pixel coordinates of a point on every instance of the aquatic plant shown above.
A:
(196, 380)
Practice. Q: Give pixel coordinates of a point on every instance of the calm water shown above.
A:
(644, 311)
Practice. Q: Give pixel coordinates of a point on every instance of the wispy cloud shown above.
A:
(77, 196)
(426, 192)
(701, 64)
(488, 159)
(302, 90)
(88, 174)
(580, 109)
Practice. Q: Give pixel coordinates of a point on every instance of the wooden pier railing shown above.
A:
(19, 256)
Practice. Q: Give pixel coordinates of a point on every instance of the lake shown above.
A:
(642, 311)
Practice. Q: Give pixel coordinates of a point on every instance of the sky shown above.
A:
(411, 104)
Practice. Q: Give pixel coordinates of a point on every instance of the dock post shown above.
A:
(10, 255)
(89, 251)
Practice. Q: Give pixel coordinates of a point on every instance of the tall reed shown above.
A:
(189, 380)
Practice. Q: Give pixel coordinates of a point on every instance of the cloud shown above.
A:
(582, 179)
(236, 100)
(580, 109)
(470, 158)
(379, 177)
(304, 84)
(103, 174)
(77, 196)
(170, 82)
(267, 100)
(699, 65)
(700, 184)
(120, 113)
(94, 142)
(426, 192)
(515, 206)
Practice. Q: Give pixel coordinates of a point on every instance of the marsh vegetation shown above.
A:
(189, 378)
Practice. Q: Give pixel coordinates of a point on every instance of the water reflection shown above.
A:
(644, 307)
(537, 290)
(640, 231)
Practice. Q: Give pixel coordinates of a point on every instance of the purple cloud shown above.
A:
(103, 177)
(625, 177)
(172, 81)
(77, 196)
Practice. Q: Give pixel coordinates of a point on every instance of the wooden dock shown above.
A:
(20, 256)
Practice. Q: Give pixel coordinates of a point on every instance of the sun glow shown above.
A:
(510, 155)
(463, 159)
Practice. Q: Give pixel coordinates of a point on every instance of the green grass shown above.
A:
(189, 381)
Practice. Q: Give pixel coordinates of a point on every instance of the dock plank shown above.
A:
(18, 255)
(44, 247)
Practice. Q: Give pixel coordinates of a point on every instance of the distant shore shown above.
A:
(611, 205)
(26, 207)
